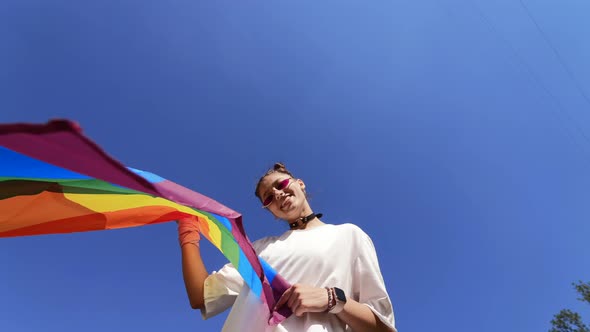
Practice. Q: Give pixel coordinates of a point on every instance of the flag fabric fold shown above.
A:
(53, 179)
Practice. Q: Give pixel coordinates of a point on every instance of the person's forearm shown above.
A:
(194, 274)
(361, 318)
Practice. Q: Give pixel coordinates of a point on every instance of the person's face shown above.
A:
(282, 195)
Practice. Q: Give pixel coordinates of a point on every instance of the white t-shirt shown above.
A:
(340, 256)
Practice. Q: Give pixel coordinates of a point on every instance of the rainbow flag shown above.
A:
(53, 179)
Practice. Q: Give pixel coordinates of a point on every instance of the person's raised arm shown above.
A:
(194, 272)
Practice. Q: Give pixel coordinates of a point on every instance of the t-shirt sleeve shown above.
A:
(368, 285)
(221, 290)
(223, 287)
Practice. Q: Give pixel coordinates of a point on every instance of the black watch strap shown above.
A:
(340, 300)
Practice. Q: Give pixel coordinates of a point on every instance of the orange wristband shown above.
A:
(188, 231)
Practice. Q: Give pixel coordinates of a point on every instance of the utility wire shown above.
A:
(555, 51)
(532, 73)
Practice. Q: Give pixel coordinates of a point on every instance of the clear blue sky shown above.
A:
(456, 133)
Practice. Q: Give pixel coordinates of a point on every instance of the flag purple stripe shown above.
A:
(62, 144)
(50, 142)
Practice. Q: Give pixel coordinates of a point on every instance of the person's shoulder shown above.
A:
(350, 228)
(356, 236)
(351, 232)
(260, 244)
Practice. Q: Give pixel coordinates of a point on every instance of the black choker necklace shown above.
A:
(304, 220)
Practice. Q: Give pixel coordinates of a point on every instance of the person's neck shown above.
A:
(306, 221)
(315, 222)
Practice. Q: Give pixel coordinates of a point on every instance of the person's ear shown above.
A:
(301, 184)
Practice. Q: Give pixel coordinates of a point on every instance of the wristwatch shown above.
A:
(340, 300)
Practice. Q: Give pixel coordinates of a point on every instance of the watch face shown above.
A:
(340, 294)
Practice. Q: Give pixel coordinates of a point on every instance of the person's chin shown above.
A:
(290, 213)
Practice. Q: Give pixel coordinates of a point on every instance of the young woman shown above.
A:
(337, 283)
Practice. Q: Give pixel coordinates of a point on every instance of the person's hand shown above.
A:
(188, 231)
(303, 298)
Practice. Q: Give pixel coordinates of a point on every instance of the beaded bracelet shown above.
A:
(331, 299)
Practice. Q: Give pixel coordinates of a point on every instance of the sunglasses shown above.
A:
(283, 184)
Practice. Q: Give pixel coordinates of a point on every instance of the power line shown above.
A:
(532, 73)
(555, 51)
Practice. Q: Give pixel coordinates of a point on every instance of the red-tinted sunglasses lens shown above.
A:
(283, 184)
(267, 201)
(279, 186)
